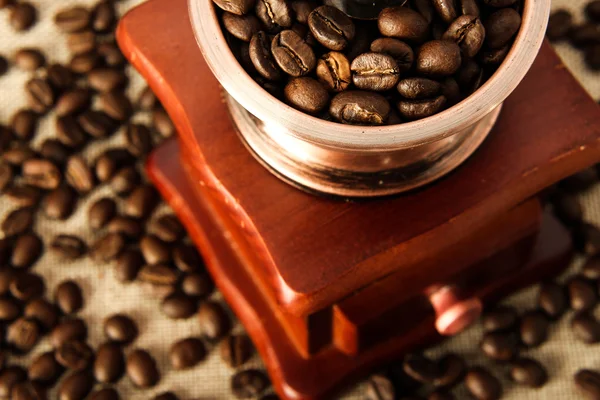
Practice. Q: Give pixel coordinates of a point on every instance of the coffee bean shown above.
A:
(79, 175)
(141, 369)
(179, 306)
(242, 27)
(6, 277)
(111, 161)
(55, 151)
(41, 173)
(9, 377)
(374, 71)
(72, 102)
(585, 327)
(451, 369)
(158, 274)
(402, 23)
(17, 222)
(552, 300)
(76, 386)
(109, 365)
(197, 284)
(24, 124)
(262, 58)
(379, 387)
(331, 27)
(44, 369)
(3, 65)
(248, 384)
(28, 391)
(68, 297)
(116, 105)
(398, 50)
(438, 58)
(60, 203)
(138, 139)
(22, 16)
(238, 7)
(360, 108)
(236, 350)
(165, 396)
(528, 372)
(45, 313)
(119, 328)
(214, 321)
(70, 329)
(23, 196)
(500, 346)
(111, 54)
(587, 383)
(18, 154)
(187, 259)
(105, 394)
(275, 15)
(29, 59)
(97, 124)
(306, 94)
(162, 123)
(26, 251)
(468, 32)
(106, 79)
(446, 9)
(69, 132)
(534, 328)
(27, 286)
(591, 268)
(81, 42)
(72, 19)
(129, 227)
(6, 176)
(108, 247)
(147, 100)
(128, 265)
(592, 57)
(85, 62)
(559, 24)
(582, 294)
(60, 77)
(141, 202)
(10, 309)
(420, 368)
(482, 385)
(333, 71)
(23, 334)
(501, 26)
(68, 247)
(101, 212)
(186, 353)
(292, 54)
(40, 95)
(418, 88)
(158, 290)
(586, 239)
(74, 354)
(104, 17)
(168, 228)
(418, 109)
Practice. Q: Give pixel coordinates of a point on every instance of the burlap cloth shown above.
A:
(104, 295)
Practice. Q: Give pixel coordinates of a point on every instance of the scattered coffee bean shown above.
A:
(23, 196)
(420, 368)
(147, 100)
(451, 371)
(24, 124)
(68, 247)
(186, 353)
(40, 95)
(141, 202)
(179, 306)
(162, 123)
(72, 102)
(68, 297)
(235, 350)
(155, 251)
(585, 327)
(18, 154)
(41, 173)
(70, 329)
(214, 321)
(55, 151)
(168, 228)
(141, 369)
(587, 383)
(23, 334)
(81, 42)
(500, 346)
(559, 24)
(18, 222)
(29, 59)
(104, 17)
(60, 203)
(108, 247)
(360, 108)
(158, 274)
(248, 384)
(116, 105)
(528, 372)
(74, 355)
(26, 251)
(109, 365)
(591, 268)
(45, 313)
(482, 385)
(97, 124)
(105, 393)
(128, 265)
(69, 132)
(197, 284)
(582, 294)
(586, 239)
(110, 162)
(6, 277)
(187, 258)
(534, 328)
(72, 19)
(76, 386)
(85, 62)
(552, 300)
(119, 328)
(60, 77)
(129, 227)
(22, 16)
(6, 175)
(111, 54)
(138, 139)
(101, 212)
(379, 387)
(107, 79)
(44, 369)
(79, 175)
(10, 309)
(9, 377)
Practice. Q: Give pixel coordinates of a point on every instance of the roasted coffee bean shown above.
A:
(187, 259)
(592, 57)
(559, 24)
(76, 386)
(84, 63)
(582, 294)
(197, 284)
(331, 27)
(587, 382)
(553, 300)
(379, 387)
(3, 65)
(138, 139)
(44, 369)
(528, 372)
(158, 274)
(262, 58)
(105, 393)
(45, 313)
(534, 328)
(18, 154)
(6, 175)
(165, 396)
(107, 79)
(162, 123)
(104, 17)
(292, 54)
(147, 100)
(155, 251)
(29, 59)
(591, 268)
(128, 264)
(236, 350)
(109, 365)
(501, 26)
(585, 327)
(23, 334)
(22, 16)
(111, 54)
(79, 175)
(242, 27)
(500, 346)
(186, 353)
(420, 368)
(374, 71)
(468, 32)
(23, 196)
(129, 227)
(482, 385)
(116, 105)
(26, 251)
(119, 328)
(158, 290)
(27, 286)
(418, 88)
(214, 321)
(469, 7)
(360, 108)
(275, 15)
(238, 7)
(81, 42)
(72, 19)
(69, 132)
(70, 329)
(60, 77)
(446, 9)
(68, 247)
(418, 109)
(101, 212)
(438, 58)
(402, 23)
(74, 354)
(425, 8)
(40, 95)
(109, 163)
(55, 151)
(397, 49)
(68, 297)
(28, 391)
(179, 306)
(168, 228)
(451, 369)
(586, 239)
(302, 9)
(24, 124)
(97, 124)
(9, 377)
(306, 94)
(60, 203)
(41, 173)
(141, 369)
(72, 102)
(567, 209)
(248, 384)
(10, 309)
(108, 247)
(6, 276)
(17, 222)
(141, 202)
